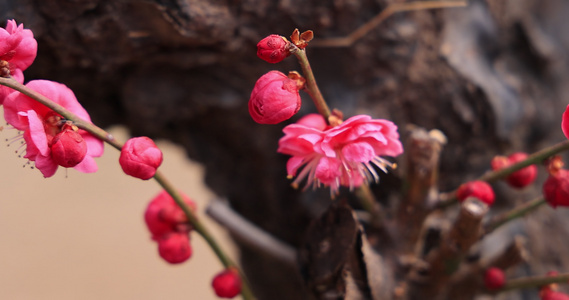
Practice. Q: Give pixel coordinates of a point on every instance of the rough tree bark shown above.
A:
(491, 76)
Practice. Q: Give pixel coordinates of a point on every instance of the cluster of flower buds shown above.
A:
(275, 97)
(169, 227)
(227, 284)
(140, 157)
(478, 189)
(520, 178)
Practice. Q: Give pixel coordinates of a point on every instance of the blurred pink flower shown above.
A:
(41, 125)
(227, 284)
(175, 247)
(18, 49)
(344, 155)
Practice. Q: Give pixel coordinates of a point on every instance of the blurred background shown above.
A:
(83, 236)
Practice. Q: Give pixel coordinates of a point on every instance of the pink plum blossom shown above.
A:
(18, 49)
(40, 125)
(344, 155)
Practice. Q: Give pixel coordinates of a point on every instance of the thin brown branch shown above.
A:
(379, 18)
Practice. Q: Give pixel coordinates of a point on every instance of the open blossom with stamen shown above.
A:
(18, 49)
(42, 129)
(344, 155)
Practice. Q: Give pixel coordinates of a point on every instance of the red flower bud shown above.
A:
(68, 148)
(479, 189)
(175, 248)
(140, 157)
(556, 188)
(273, 48)
(227, 284)
(520, 178)
(274, 98)
(552, 295)
(494, 278)
(163, 216)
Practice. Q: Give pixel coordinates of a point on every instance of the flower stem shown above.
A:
(311, 86)
(449, 198)
(515, 213)
(107, 137)
(369, 203)
(533, 282)
(202, 230)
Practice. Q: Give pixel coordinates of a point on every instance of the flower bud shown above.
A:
(140, 157)
(479, 189)
(494, 278)
(68, 148)
(175, 248)
(520, 178)
(273, 49)
(275, 98)
(227, 284)
(163, 216)
(556, 188)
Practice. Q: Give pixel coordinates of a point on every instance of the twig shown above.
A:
(533, 282)
(161, 179)
(444, 261)
(311, 87)
(515, 213)
(250, 234)
(449, 198)
(384, 14)
(420, 190)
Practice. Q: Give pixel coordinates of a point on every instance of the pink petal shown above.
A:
(37, 133)
(46, 165)
(358, 152)
(95, 147)
(315, 121)
(293, 164)
(88, 165)
(328, 170)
